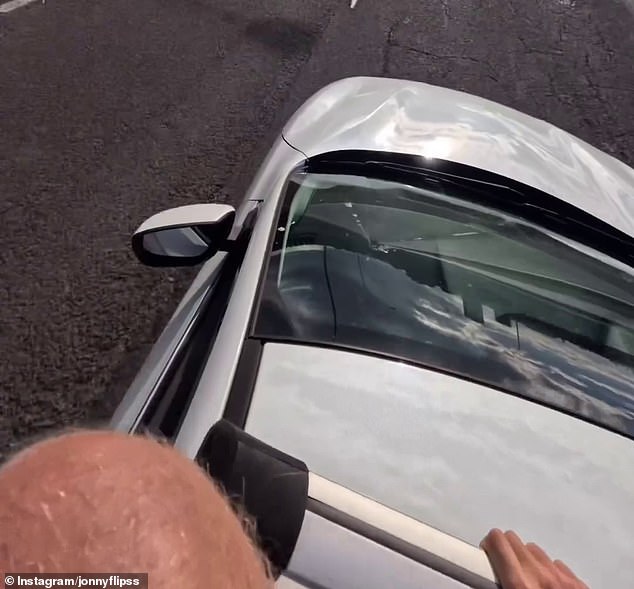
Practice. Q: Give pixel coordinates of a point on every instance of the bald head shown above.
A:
(108, 502)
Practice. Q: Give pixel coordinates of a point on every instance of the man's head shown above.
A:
(107, 502)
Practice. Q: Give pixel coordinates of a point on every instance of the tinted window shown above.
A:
(439, 280)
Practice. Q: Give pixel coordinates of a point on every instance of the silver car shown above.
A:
(423, 310)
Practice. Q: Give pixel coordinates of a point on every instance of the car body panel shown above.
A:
(381, 114)
(424, 544)
(175, 332)
(285, 582)
(457, 455)
(166, 347)
(210, 400)
(329, 555)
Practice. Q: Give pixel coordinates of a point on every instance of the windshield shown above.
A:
(422, 275)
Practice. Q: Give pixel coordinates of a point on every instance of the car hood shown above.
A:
(381, 114)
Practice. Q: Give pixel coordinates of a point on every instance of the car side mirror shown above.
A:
(183, 236)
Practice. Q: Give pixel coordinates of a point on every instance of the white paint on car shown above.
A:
(401, 116)
(456, 455)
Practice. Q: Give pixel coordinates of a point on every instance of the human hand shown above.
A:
(526, 566)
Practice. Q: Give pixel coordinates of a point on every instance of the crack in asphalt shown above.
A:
(492, 75)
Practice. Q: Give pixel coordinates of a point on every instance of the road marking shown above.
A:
(9, 6)
(353, 3)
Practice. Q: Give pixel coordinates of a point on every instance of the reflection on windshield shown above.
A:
(419, 275)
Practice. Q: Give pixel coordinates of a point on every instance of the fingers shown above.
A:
(563, 570)
(539, 555)
(521, 551)
(503, 558)
(525, 566)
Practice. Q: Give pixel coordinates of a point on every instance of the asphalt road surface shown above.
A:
(111, 111)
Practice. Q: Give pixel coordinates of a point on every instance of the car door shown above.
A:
(159, 396)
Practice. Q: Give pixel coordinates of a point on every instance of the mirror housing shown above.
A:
(183, 236)
(272, 487)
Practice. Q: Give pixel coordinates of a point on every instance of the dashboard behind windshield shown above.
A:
(420, 274)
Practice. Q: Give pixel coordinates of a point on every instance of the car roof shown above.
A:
(456, 455)
(399, 116)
